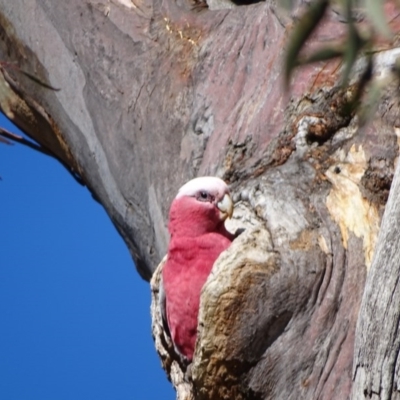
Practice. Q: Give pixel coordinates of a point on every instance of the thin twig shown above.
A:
(19, 139)
(6, 136)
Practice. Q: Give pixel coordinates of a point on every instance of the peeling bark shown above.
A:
(376, 356)
(156, 92)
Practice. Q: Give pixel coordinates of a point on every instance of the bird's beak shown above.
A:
(225, 207)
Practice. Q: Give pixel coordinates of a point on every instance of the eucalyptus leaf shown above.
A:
(323, 54)
(300, 33)
(287, 4)
(359, 89)
(354, 44)
(368, 108)
(376, 13)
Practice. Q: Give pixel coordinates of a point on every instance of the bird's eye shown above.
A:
(203, 196)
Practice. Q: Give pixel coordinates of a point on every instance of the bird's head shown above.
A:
(201, 205)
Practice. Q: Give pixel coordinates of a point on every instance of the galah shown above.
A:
(198, 236)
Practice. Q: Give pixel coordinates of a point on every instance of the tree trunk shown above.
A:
(376, 364)
(154, 93)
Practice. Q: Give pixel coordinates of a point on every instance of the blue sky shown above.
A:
(75, 319)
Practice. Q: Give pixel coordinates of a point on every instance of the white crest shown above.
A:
(210, 184)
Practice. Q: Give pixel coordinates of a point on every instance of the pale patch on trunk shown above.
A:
(397, 132)
(347, 206)
(126, 3)
(323, 245)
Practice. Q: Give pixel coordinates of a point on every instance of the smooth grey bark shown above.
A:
(139, 110)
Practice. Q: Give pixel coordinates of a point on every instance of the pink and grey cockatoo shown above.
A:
(198, 236)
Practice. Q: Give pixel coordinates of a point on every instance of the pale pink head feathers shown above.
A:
(201, 205)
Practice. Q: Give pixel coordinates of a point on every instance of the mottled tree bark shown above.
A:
(153, 93)
(376, 357)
